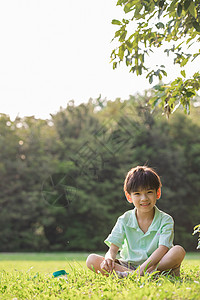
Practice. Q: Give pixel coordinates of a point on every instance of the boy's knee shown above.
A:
(91, 260)
(180, 250)
(94, 261)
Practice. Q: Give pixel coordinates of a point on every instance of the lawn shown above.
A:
(29, 276)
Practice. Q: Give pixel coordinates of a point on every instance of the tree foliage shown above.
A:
(151, 24)
(62, 179)
(197, 230)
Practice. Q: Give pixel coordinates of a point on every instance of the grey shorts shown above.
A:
(125, 264)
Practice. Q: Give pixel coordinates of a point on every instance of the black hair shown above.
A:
(141, 177)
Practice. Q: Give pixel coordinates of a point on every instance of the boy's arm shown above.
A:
(108, 263)
(154, 259)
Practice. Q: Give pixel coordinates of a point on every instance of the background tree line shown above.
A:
(62, 179)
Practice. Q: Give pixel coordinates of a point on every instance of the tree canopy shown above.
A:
(151, 24)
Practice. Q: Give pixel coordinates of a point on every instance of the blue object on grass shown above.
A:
(60, 273)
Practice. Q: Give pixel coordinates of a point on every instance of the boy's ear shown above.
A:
(158, 195)
(128, 197)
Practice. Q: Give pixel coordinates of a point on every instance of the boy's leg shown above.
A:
(94, 261)
(172, 260)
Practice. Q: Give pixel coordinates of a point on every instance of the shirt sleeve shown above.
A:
(167, 232)
(117, 235)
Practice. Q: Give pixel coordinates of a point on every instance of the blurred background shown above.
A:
(61, 179)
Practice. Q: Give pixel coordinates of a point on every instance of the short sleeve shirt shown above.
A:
(135, 245)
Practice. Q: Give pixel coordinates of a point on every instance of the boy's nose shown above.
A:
(143, 197)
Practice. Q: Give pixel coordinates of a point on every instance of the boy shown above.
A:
(144, 235)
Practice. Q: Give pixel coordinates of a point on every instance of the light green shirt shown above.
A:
(135, 245)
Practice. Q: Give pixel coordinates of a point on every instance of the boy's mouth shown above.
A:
(144, 204)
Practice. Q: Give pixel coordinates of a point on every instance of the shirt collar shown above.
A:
(132, 221)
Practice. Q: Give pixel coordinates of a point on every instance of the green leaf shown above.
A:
(141, 57)
(114, 65)
(184, 62)
(195, 56)
(129, 45)
(178, 46)
(120, 2)
(172, 6)
(161, 3)
(151, 79)
(160, 25)
(125, 21)
(176, 106)
(197, 227)
(123, 36)
(137, 14)
(129, 5)
(179, 9)
(196, 25)
(158, 87)
(192, 10)
(164, 72)
(116, 22)
(117, 33)
(187, 4)
(155, 101)
(133, 69)
(183, 73)
(190, 94)
(121, 52)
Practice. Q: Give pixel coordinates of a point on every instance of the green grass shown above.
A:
(29, 276)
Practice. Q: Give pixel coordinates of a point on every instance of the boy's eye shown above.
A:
(150, 192)
(136, 194)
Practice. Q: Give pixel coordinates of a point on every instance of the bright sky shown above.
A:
(53, 51)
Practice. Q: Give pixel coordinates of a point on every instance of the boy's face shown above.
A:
(144, 200)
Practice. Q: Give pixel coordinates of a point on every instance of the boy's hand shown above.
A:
(108, 265)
